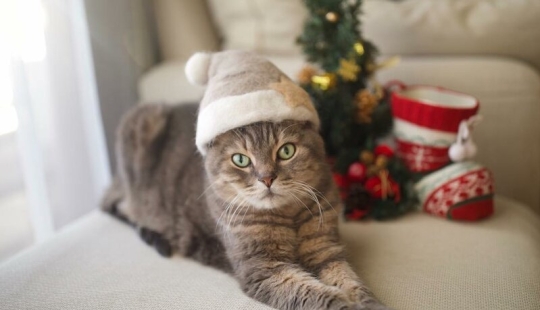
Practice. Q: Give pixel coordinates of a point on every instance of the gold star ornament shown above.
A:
(365, 103)
(359, 48)
(348, 70)
(324, 81)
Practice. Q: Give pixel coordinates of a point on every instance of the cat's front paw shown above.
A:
(371, 304)
(355, 290)
(156, 240)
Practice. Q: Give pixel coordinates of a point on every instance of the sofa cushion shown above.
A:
(183, 28)
(412, 27)
(423, 262)
(416, 262)
(455, 27)
(269, 26)
(509, 94)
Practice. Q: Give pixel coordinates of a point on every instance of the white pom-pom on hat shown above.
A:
(457, 152)
(197, 68)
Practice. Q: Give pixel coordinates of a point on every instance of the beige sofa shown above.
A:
(415, 262)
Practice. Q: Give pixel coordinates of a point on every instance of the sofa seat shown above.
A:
(415, 262)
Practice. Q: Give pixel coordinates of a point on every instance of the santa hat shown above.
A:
(242, 89)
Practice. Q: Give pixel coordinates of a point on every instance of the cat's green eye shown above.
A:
(241, 160)
(286, 151)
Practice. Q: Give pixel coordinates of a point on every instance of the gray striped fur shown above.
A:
(284, 250)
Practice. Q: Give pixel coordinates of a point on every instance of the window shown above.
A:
(53, 156)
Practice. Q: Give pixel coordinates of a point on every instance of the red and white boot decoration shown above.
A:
(433, 127)
(426, 123)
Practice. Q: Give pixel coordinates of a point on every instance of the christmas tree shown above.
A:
(354, 110)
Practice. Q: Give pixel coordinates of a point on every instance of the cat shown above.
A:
(261, 205)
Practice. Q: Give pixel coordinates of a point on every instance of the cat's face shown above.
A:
(267, 165)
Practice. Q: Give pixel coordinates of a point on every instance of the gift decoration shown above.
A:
(365, 103)
(461, 191)
(324, 82)
(359, 48)
(306, 74)
(464, 147)
(433, 128)
(331, 17)
(354, 110)
(429, 165)
(426, 123)
(348, 69)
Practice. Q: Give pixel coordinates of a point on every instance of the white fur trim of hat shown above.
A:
(242, 89)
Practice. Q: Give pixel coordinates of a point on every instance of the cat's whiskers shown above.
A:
(248, 206)
(225, 211)
(233, 218)
(310, 194)
(309, 190)
(317, 192)
(299, 200)
(283, 132)
(236, 208)
(209, 186)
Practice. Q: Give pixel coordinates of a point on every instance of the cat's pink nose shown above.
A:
(267, 180)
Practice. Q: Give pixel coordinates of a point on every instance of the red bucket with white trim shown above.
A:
(426, 122)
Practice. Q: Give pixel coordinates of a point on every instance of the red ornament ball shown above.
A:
(386, 188)
(383, 149)
(356, 214)
(341, 180)
(357, 172)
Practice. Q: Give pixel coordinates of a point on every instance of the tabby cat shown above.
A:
(260, 205)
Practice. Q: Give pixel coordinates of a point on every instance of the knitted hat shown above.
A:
(242, 89)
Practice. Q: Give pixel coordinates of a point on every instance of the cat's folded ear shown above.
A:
(197, 68)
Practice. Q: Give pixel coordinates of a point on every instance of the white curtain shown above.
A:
(61, 142)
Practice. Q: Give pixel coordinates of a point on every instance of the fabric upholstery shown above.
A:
(416, 262)
(455, 27)
(509, 94)
(184, 27)
(412, 27)
(269, 26)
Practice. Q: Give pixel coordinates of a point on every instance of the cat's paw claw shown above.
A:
(156, 240)
(163, 247)
(147, 235)
(371, 305)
